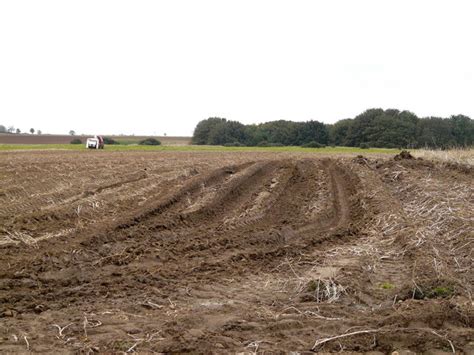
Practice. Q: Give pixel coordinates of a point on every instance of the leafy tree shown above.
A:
(360, 130)
(18, 131)
(339, 132)
(435, 132)
(225, 132)
(312, 131)
(378, 128)
(3, 129)
(218, 131)
(204, 128)
(284, 132)
(39, 132)
(72, 132)
(390, 128)
(32, 130)
(463, 130)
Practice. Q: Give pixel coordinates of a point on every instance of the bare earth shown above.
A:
(66, 139)
(218, 252)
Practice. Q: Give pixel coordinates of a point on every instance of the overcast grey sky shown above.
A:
(149, 67)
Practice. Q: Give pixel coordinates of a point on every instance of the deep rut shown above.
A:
(153, 238)
(272, 252)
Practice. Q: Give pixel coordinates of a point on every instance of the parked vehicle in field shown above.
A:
(95, 143)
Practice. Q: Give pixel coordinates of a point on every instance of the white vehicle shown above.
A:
(95, 143)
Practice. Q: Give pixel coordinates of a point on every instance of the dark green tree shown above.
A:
(339, 132)
(390, 128)
(204, 128)
(462, 130)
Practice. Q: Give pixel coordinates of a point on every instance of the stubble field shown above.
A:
(234, 251)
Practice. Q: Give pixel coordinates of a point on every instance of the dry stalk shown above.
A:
(150, 304)
(90, 324)
(61, 329)
(306, 314)
(291, 268)
(27, 342)
(147, 339)
(19, 237)
(254, 344)
(460, 156)
(84, 325)
(320, 342)
(327, 290)
(108, 257)
(131, 349)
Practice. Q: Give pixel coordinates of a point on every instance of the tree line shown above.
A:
(11, 129)
(373, 128)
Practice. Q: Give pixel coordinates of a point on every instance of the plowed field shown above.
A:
(230, 252)
(6, 138)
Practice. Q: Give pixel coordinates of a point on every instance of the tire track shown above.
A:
(342, 187)
(176, 202)
(280, 232)
(231, 257)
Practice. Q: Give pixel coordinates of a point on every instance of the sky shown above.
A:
(155, 67)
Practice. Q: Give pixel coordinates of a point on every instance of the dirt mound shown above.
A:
(360, 159)
(463, 168)
(180, 252)
(404, 154)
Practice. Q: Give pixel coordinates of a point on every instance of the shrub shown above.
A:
(313, 144)
(266, 144)
(76, 141)
(234, 144)
(436, 289)
(441, 292)
(387, 285)
(108, 140)
(150, 141)
(311, 286)
(364, 146)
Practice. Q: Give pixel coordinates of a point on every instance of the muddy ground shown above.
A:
(234, 252)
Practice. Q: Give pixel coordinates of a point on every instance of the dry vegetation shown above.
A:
(213, 251)
(457, 156)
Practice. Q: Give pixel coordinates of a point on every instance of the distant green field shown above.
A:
(205, 148)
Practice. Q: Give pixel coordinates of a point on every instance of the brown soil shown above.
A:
(231, 252)
(66, 139)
